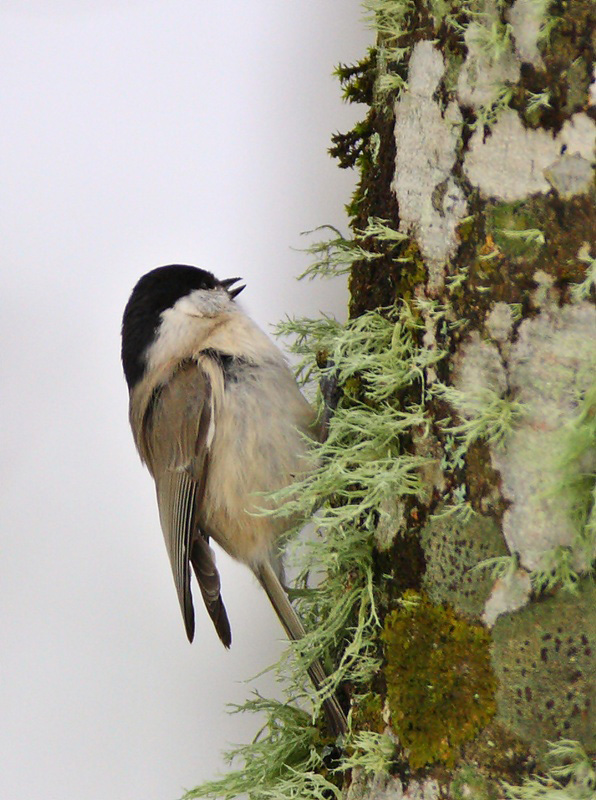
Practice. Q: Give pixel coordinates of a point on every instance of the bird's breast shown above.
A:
(258, 446)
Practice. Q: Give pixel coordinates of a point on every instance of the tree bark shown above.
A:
(476, 205)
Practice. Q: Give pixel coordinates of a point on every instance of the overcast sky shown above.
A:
(136, 134)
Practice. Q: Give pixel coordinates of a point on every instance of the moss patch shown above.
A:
(515, 231)
(469, 783)
(440, 685)
(367, 713)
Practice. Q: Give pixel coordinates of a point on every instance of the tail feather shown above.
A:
(295, 631)
(203, 561)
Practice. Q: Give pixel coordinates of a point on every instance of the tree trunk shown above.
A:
(456, 490)
(476, 208)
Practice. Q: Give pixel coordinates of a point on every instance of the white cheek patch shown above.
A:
(185, 326)
(175, 336)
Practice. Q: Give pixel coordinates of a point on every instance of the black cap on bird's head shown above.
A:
(155, 292)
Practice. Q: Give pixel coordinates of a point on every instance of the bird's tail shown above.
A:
(295, 630)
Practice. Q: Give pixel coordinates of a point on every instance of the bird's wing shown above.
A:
(174, 443)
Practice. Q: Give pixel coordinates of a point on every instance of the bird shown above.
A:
(219, 420)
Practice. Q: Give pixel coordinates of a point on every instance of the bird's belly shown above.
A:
(258, 447)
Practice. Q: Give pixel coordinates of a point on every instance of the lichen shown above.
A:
(470, 464)
(528, 156)
(453, 549)
(284, 760)
(543, 657)
(527, 18)
(440, 686)
(550, 367)
(491, 62)
(512, 590)
(571, 775)
(431, 203)
(515, 231)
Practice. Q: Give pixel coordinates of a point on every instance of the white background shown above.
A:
(136, 134)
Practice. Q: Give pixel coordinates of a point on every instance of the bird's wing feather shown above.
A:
(202, 559)
(174, 444)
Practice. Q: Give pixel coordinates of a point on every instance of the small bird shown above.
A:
(218, 419)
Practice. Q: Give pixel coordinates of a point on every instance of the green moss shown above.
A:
(453, 547)
(351, 146)
(358, 80)
(515, 231)
(470, 784)
(440, 685)
(569, 52)
(367, 713)
(543, 657)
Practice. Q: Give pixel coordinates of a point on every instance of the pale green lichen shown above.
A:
(336, 255)
(577, 483)
(371, 752)
(486, 415)
(563, 565)
(509, 221)
(363, 463)
(583, 291)
(572, 776)
(283, 760)
(367, 468)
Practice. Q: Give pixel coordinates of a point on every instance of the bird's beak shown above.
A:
(227, 282)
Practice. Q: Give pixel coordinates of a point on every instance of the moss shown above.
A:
(515, 231)
(440, 685)
(499, 755)
(367, 713)
(483, 481)
(348, 148)
(491, 260)
(358, 80)
(572, 41)
(543, 657)
(373, 284)
(453, 547)
(470, 784)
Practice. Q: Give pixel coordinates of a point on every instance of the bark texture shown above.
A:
(477, 152)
